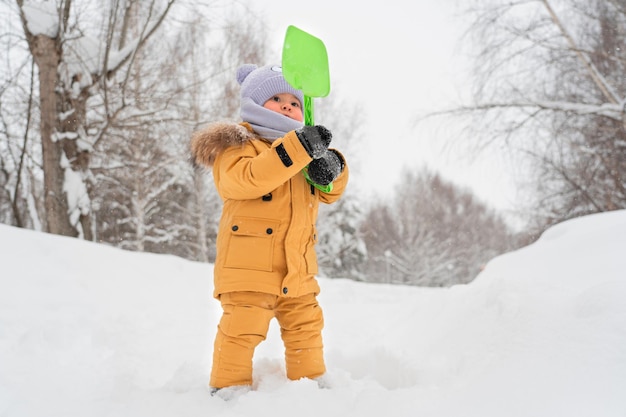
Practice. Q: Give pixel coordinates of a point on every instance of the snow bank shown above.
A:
(86, 329)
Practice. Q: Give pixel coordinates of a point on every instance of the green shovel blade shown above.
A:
(305, 67)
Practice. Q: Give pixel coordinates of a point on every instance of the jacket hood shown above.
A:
(207, 143)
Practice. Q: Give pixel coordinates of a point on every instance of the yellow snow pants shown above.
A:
(244, 324)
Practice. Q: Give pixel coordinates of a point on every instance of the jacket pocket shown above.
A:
(251, 244)
(309, 255)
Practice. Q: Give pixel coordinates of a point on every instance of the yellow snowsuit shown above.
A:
(266, 263)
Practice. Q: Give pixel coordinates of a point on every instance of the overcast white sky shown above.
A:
(399, 60)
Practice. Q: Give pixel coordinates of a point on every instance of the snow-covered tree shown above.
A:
(341, 251)
(80, 49)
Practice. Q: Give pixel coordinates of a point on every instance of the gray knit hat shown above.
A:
(262, 83)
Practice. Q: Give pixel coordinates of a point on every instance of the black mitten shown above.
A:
(327, 168)
(315, 139)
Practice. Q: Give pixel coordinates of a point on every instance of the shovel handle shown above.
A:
(308, 120)
(308, 111)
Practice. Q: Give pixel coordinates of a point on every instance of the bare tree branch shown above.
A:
(16, 211)
(608, 92)
(147, 31)
(612, 111)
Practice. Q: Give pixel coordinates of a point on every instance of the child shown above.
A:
(266, 263)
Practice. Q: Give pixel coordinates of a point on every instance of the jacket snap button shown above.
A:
(285, 290)
(269, 231)
(235, 228)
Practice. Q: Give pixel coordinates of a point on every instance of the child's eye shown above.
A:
(276, 99)
(295, 104)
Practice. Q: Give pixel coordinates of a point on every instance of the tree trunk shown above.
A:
(47, 55)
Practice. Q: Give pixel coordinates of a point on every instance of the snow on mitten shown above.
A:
(315, 139)
(326, 168)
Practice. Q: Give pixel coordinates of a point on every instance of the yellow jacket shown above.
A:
(266, 237)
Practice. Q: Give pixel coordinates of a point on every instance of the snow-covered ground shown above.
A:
(88, 330)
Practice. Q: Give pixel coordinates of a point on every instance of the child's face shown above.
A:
(286, 104)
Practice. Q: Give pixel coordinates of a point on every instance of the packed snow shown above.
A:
(41, 18)
(90, 330)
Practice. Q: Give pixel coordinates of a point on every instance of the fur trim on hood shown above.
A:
(207, 143)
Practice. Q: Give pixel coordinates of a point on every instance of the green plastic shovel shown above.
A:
(305, 67)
